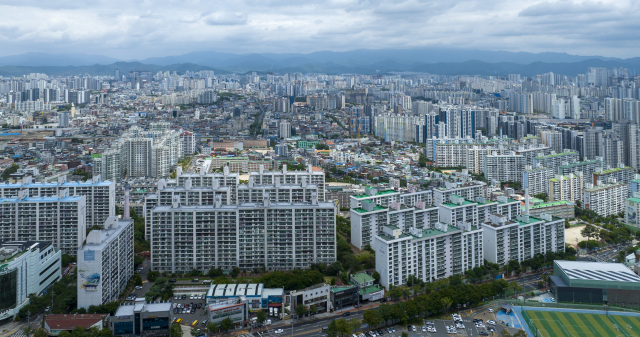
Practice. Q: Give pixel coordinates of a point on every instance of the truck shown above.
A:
(267, 322)
(270, 311)
(275, 312)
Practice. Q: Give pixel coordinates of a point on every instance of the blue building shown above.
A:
(259, 296)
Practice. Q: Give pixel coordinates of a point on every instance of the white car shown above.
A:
(492, 322)
(138, 287)
(490, 310)
(279, 331)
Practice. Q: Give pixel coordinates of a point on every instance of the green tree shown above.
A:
(313, 310)
(194, 331)
(9, 170)
(227, 324)
(404, 334)
(372, 318)
(354, 324)
(138, 279)
(301, 310)
(261, 316)
(376, 276)
(212, 327)
(175, 330)
(332, 329)
(446, 303)
(543, 196)
(589, 231)
(40, 333)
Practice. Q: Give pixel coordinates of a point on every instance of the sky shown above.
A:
(139, 29)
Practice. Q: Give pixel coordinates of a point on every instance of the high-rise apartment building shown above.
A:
(105, 263)
(59, 219)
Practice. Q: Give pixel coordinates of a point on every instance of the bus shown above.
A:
(194, 323)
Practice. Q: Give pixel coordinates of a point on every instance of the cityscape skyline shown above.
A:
(141, 30)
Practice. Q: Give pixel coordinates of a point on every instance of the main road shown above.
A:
(258, 118)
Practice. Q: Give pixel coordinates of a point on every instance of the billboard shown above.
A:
(89, 278)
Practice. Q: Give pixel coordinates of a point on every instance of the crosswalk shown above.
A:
(19, 333)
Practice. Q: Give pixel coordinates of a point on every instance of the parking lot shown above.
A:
(189, 309)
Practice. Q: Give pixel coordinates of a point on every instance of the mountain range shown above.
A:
(445, 61)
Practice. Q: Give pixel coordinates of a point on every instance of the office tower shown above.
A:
(28, 268)
(63, 119)
(593, 144)
(105, 262)
(284, 129)
(630, 134)
(59, 219)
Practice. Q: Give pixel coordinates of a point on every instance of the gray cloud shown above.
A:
(140, 29)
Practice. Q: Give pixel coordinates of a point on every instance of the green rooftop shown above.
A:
(339, 288)
(464, 203)
(617, 169)
(581, 163)
(634, 199)
(369, 289)
(379, 193)
(557, 154)
(551, 204)
(362, 278)
(531, 221)
(362, 210)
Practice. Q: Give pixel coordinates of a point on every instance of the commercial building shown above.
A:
(141, 319)
(594, 282)
(236, 309)
(274, 236)
(105, 263)
(367, 289)
(59, 219)
(54, 325)
(256, 294)
(427, 254)
(521, 238)
(605, 199)
(316, 295)
(344, 296)
(26, 267)
(99, 195)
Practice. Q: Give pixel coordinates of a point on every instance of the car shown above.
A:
(279, 331)
(408, 327)
(413, 328)
(172, 280)
(191, 297)
(380, 333)
(424, 328)
(138, 287)
(193, 310)
(492, 322)
(204, 323)
(184, 297)
(195, 280)
(346, 314)
(490, 310)
(47, 309)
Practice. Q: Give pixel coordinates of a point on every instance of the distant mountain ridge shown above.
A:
(382, 61)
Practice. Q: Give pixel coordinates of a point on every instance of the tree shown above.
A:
(372, 318)
(313, 310)
(40, 333)
(212, 327)
(354, 324)
(376, 276)
(175, 330)
(138, 279)
(542, 196)
(9, 170)
(227, 324)
(332, 329)
(301, 310)
(589, 231)
(261, 316)
(446, 303)
(194, 331)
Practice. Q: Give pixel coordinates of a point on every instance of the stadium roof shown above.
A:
(597, 271)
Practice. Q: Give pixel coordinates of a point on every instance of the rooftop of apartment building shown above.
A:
(376, 208)
(379, 193)
(558, 154)
(613, 170)
(552, 204)
(249, 205)
(603, 187)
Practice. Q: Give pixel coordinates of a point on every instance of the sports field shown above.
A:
(568, 324)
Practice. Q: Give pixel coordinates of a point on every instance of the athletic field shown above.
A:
(569, 324)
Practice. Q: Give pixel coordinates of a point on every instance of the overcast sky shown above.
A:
(140, 29)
